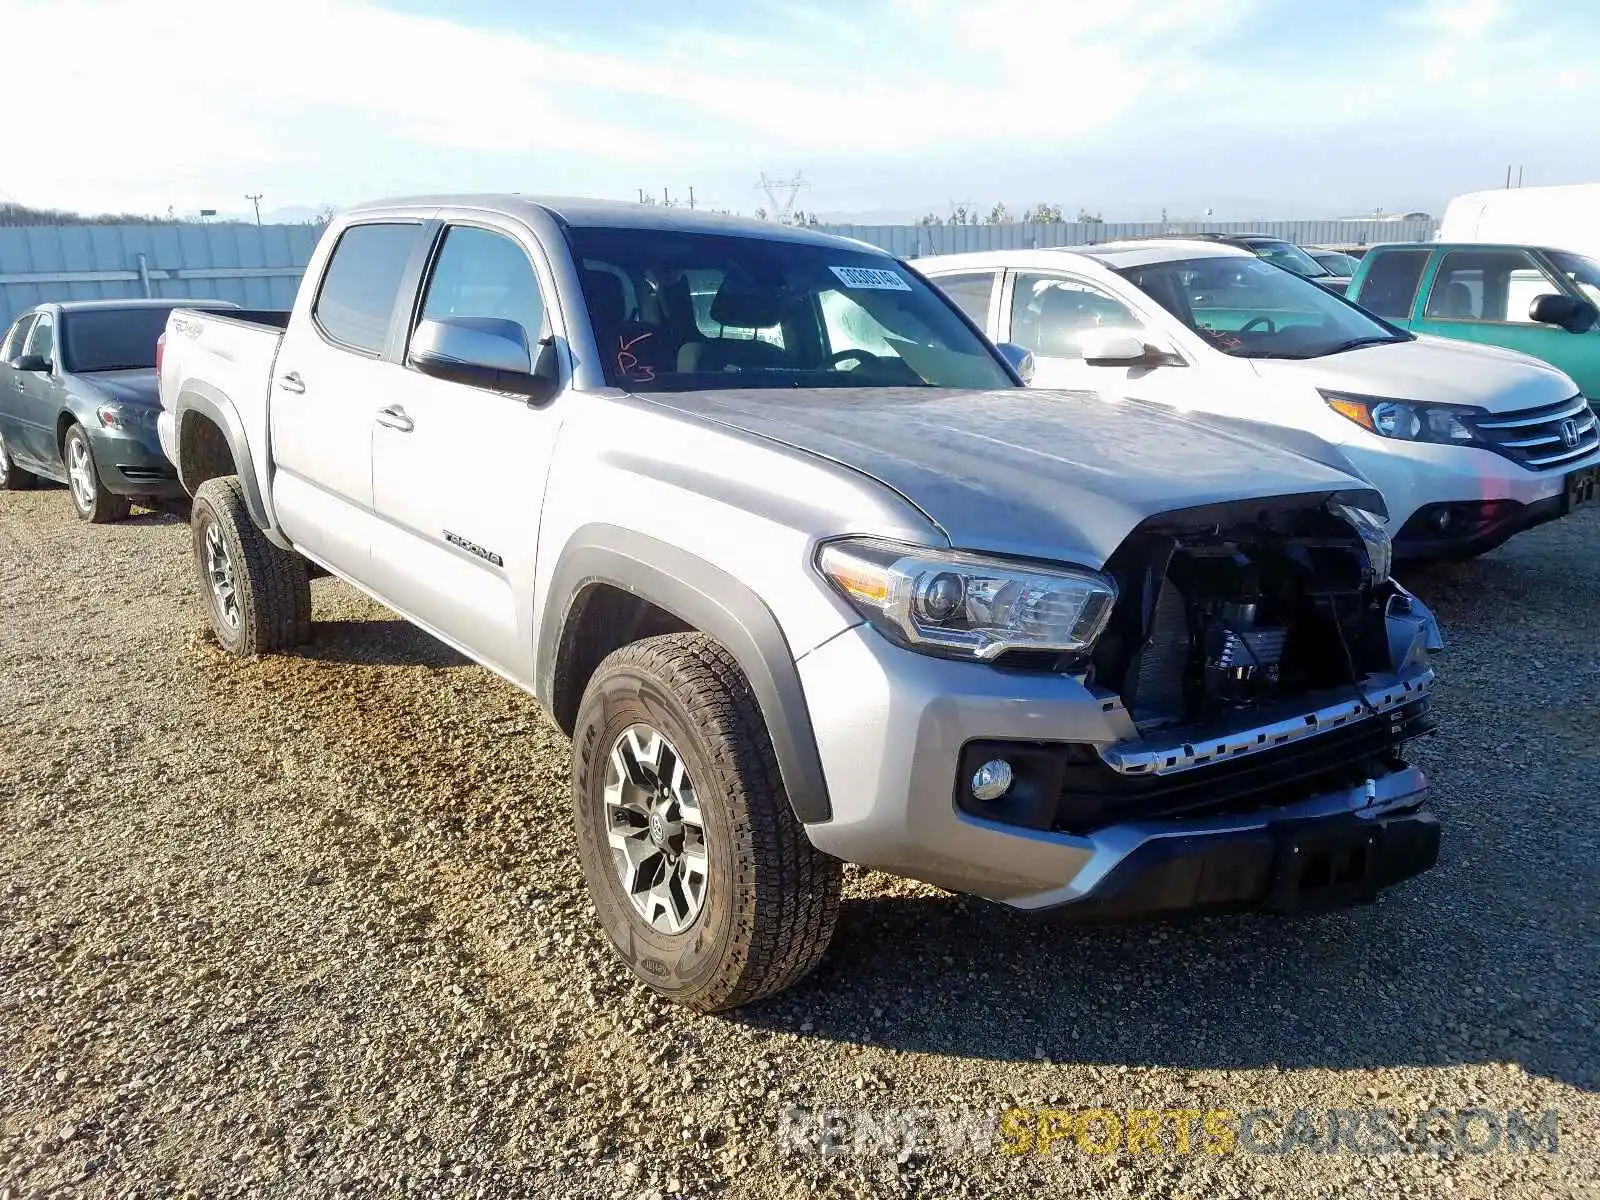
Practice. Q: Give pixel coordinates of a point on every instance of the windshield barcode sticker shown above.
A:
(871, 277)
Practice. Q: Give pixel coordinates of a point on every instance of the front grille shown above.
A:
(1093, 794)
(1542, 438)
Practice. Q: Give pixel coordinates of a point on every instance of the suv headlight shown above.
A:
(1405, 420)
(967, 605)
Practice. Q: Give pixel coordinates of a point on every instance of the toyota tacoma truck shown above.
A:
(809, 576)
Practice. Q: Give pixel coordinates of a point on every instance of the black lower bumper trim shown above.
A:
(1477, 528)
(1303, 865)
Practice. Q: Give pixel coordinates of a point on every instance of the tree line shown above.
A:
(1039, 214)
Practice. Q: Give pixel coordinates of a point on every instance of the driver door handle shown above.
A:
(395, 418)
(291, 382)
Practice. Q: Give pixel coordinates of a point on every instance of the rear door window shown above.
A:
(362, 283)
(971, 292)
(1389, 287)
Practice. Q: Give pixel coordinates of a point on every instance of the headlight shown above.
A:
(1405, 420)
(967, 605)
(1374, 537)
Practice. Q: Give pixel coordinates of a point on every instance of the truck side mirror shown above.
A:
(486, 352)
(1573, 315)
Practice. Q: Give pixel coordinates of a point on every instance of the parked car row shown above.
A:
(1468, 443)
(778, 533)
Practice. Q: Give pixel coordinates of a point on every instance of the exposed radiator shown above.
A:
(1158, 672)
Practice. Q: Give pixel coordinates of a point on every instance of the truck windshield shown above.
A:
(1249, 309)
(1582, 271)
(111, 339)
(675, 311)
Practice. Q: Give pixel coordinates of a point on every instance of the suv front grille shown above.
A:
(1542, 438)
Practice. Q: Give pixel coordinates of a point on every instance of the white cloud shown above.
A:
(182, 101)
(154, 100)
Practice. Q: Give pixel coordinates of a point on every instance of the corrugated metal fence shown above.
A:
(909, 241)
(260, 268)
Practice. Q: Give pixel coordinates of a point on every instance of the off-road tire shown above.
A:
(105, 506)
(12, 477)
(771, 899)
(271, 585)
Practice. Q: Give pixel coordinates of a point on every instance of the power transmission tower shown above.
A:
(255, 199)
(781, 194)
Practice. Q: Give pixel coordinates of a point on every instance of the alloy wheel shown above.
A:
(80, 473)
(653, 824)
(219, 573)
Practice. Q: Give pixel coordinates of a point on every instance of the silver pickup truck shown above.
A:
(807, 575)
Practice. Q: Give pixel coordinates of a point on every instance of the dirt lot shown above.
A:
(313, 926)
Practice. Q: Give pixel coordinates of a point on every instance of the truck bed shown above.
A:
(274, 318)
(230, 355)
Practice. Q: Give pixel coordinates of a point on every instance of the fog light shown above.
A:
(992, 780)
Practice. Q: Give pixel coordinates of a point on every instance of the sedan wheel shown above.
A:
(93, 502)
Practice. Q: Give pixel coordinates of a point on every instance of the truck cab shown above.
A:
(1541, 301)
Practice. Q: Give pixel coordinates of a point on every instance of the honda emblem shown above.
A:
(1569, 433)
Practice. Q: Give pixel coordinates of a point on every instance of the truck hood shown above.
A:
(1037, 473)
(136, 387)
(1430, 369)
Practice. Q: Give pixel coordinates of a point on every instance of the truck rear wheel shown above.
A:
(259, 595)
(701, 875)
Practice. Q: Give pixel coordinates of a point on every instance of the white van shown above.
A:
(1562, 218)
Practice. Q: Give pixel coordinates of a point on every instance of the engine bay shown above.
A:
(1240, 612)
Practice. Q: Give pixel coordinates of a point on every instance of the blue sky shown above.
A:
(1248, 107)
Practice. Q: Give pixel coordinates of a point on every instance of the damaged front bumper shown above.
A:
(1333, 849)
(1325, 818)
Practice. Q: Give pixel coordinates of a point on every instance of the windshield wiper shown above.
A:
(1356, 343)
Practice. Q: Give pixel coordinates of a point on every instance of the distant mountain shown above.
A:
(293, 214)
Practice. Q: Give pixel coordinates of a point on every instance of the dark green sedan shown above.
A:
(78, 403)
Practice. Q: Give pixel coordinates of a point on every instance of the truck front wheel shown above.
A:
(701, 875)
(259, 595)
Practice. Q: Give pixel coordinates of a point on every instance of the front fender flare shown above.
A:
(708, 599)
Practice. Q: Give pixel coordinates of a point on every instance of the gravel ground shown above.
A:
(313, 925)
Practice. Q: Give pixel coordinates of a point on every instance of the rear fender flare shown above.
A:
(208, 402)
